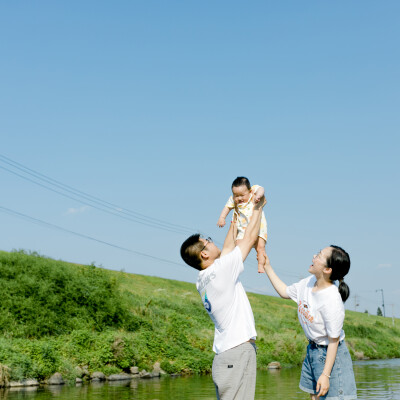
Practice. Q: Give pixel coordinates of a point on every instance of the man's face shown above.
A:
(240, 194)
(210, 251)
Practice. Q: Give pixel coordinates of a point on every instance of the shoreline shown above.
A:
(76, 320)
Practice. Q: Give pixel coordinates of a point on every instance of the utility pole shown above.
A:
(383, 301)
(392, 313)
(355, 302)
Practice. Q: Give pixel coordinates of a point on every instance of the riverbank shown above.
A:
(58, 316)
(376, 380)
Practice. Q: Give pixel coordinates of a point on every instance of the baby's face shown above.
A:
(240, 194)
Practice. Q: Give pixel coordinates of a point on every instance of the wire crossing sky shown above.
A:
(87, 199)
(128, 123)
(52, 226)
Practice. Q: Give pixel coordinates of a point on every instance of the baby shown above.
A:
(242, 202)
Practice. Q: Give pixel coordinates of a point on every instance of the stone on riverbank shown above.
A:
(156, 370)
(145, 375)
(274, 365)
(79, 372)
(85, 371)
(98, 376)
(23, 383)
(119, 377)
(359, 355)
(134, 370)
(4, 375)
(56, 379)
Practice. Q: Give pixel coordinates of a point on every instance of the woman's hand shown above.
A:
(278, 285)
(322, 385)
(267, 262)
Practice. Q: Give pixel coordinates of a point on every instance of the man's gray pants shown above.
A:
(234, 373)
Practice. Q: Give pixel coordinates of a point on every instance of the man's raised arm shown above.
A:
(229, 243)
(252, 230)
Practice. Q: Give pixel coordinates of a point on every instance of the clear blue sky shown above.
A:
(157, 106)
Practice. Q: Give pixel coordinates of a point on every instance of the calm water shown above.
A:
(375, 380)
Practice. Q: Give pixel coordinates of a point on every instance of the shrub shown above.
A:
(42, 297)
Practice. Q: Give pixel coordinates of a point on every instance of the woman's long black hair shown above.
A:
(339, 261)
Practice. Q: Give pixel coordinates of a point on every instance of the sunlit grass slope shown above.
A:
(55, 316)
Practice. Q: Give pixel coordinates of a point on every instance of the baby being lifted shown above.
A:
(242, 201)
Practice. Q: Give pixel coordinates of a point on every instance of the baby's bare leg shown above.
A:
(261, 254)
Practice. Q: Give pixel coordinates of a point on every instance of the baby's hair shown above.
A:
(241, 181)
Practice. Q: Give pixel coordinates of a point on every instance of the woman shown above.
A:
(327, 371)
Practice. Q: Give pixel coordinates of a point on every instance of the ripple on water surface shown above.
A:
(376, 379)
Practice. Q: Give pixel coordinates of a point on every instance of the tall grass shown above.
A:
(56, 316)
(41, 297)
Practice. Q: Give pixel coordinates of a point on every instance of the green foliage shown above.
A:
(45, 357)
(43, 297)
(56, 316)
(26, 358)
(170, 368)
(374, 336)
(363, 331)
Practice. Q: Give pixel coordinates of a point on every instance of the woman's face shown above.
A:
(319, 261)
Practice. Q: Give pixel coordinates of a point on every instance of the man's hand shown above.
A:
(258, 195)
(221, 222)
(251, 233)
(322, 385)
(261, 203)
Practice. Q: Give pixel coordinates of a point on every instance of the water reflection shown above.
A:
(378, 379)
(375, 380)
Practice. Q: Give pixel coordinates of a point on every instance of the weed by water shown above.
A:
(56, 316)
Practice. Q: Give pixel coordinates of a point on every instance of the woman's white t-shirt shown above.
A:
(321, 313)
(226, 301)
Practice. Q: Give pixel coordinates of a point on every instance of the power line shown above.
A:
(95, 202)
(56, 227)
(368, 300)
(89, 200)
(59, 228)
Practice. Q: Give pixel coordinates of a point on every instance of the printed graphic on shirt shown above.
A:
(304, 313)
(206, 302)
(206, 281)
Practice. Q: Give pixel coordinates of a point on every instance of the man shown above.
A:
(224, 298)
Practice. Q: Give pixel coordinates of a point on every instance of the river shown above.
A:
(376, 379)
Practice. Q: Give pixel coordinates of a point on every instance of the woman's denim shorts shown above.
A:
(342, 382)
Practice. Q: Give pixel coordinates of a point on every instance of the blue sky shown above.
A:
(157, 106)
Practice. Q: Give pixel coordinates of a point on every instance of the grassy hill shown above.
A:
(55, 316)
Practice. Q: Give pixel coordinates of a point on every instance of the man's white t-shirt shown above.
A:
(321, 313)
(226, 301)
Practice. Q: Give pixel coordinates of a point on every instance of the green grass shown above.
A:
(55, 316)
